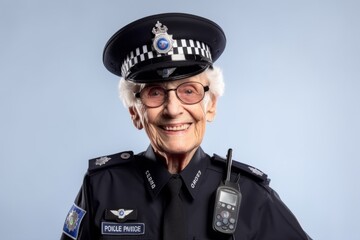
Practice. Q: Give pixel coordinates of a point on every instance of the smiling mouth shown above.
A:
(181, 127)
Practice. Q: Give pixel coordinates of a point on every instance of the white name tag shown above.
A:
(110, 228)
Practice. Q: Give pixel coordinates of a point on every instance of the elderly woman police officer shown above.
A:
(173, 190)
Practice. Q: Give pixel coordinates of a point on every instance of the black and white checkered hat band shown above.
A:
(181, 48)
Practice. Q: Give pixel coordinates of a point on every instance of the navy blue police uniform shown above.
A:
(123, 196)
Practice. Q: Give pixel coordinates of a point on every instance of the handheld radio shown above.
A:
(227, 202)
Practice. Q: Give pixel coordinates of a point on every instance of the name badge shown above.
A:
(110, 228)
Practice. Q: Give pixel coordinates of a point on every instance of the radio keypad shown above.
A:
(224, 219)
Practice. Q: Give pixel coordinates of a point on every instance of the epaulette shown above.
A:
(245, 169)
(110, 160)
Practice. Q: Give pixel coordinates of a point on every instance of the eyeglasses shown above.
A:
(189, 93)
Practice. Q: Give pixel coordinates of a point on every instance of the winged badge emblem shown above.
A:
(121, 213)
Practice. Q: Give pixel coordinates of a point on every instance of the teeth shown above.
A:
(176, 128)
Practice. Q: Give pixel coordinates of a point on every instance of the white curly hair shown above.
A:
(214, 75)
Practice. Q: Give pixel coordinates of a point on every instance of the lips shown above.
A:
(178, 127)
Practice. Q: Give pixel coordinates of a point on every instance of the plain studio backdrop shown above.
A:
(291, 104)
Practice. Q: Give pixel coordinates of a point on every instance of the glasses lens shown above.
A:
(190, 92)
(153, 96)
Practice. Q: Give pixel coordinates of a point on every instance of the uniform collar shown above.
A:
(154, 171)
(194, 173)
(156, 174)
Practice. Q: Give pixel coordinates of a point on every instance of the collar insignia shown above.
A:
(150, 179)
(101, 161)
(162, 42)
(196, 179)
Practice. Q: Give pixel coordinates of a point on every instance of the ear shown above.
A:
(211, 109)
(135, 116)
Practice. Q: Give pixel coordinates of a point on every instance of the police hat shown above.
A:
(163, 47)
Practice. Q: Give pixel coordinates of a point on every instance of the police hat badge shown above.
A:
(163, 42)
(164, 47)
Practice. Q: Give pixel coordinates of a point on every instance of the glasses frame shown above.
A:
(166, 91)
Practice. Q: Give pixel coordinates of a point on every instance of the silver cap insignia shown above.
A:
(162, 42)
(101, 161)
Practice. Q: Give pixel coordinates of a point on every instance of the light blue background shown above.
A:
(291, 106)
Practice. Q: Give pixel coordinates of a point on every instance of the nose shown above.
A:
(172, 106)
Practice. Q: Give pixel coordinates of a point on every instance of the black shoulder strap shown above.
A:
(244, 169)
(110, 160)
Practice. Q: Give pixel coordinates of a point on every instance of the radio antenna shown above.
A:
(228, 165)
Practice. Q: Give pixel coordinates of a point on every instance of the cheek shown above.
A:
(200, 113)
(200, 118)
(209, 108)
(143, 114)
(150, 129)
(148, 121)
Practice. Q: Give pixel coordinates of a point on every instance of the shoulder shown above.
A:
(109, 161)
(243, 169)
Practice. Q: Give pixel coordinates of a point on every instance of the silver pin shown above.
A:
(121, 213)
(101, 161)
(256, 171)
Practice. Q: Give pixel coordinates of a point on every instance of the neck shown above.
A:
(175, 163)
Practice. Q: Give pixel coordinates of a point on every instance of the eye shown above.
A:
(188, 89)
(154, 92)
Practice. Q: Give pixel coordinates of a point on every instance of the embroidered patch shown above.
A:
(73, 221)
(109, 228)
